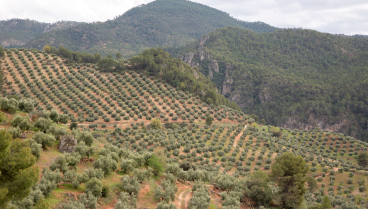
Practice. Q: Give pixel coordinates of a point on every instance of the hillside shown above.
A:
(106, 98)
(17, 32)
(290, 78)
(159, 23)
(143, 143)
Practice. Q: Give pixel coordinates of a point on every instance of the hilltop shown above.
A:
(16, 33)
(159, 23)
(291, 78)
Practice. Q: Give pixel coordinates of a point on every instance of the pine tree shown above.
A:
(289, 172)
(17, 171)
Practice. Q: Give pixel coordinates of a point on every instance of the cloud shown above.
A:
(332, 16)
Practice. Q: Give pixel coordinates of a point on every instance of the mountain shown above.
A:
(17, 32)
(291, 78)
(131, 137)
(159, 23)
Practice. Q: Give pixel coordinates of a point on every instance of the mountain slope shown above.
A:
(89, 96)
(160, 23)
(17, 32)
(293, 78)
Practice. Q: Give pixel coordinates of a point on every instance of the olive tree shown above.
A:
(83, 150)
(200, 199)
(165, 192)
(106, 163)
(54, 116)
(9, 104)
(126, 201)
(43, 124)
(86, 137)
(94, 185)
(46, 140)
(22, 122)
(26, 105)
(63, 118)
(130, 185)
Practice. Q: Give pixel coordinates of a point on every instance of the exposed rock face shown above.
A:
(67, 144)
(264, 95)
(226, 87)
(195, 74)
(202, 41)
(214, 66)
(312, 122)
(210, 74)
(187, 58)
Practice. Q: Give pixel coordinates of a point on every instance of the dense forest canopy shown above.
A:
(298, 78)
(17, 32)
(159, 23)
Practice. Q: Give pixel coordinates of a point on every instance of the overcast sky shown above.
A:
(332, 16)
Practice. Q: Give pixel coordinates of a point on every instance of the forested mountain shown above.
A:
(292, 78)
(159, 23)
(17, 32)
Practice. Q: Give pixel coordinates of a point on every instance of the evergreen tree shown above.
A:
(289, 172)
(17, 171)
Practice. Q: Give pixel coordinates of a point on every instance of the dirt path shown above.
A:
(183, 199)
(237, 138)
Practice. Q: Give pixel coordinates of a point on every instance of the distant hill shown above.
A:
(292, 78)
(17, 32)
(160, 23)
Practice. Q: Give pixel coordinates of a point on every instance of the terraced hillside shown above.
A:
(92, 97)
(122, 162)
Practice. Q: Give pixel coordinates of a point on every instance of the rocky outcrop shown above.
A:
(187, 58)
(202, 41)
(226, 87)
(312, 122)
(196, 75)
(210, 74)
(214, 66)
(67, 144)
(264, 95)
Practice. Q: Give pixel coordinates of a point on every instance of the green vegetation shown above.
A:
(159, 23)
(293, 78)
(17, 32)
(18, 173)
(120, 157)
